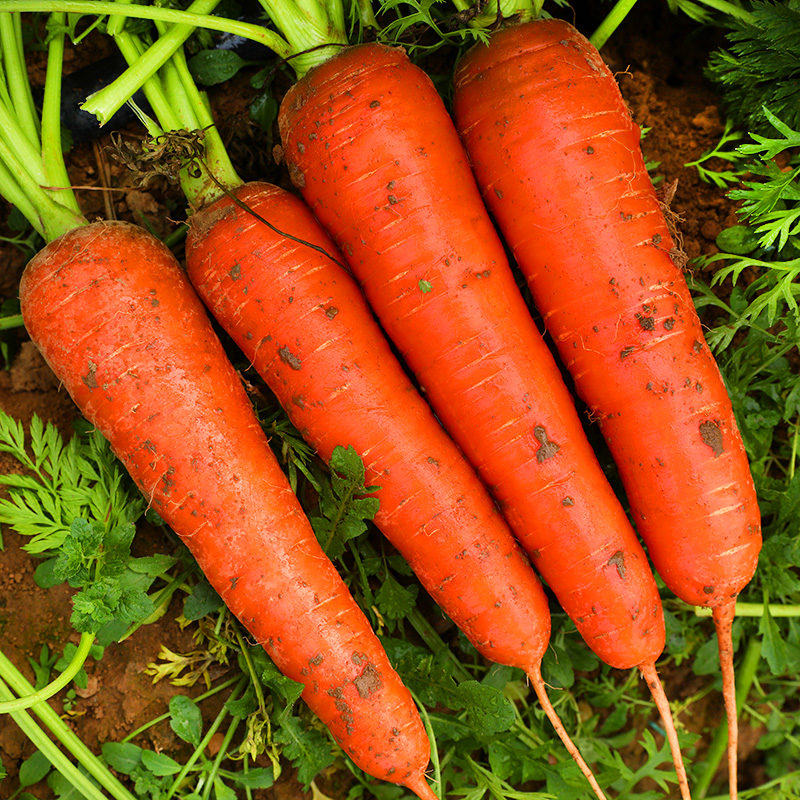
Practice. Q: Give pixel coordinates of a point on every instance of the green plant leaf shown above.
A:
(186, 719)
(202, 600)
(34, 769)
(307, 748)
(210, 67)
(159, 764)
(489, 711)
(123, 757)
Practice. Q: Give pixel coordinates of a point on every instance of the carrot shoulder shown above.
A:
(120, 325)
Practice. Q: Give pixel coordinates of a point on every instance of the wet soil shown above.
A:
(658, 59)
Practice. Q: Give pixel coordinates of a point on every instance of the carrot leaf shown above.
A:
(62, 482)
(344, 508)
(308, 748)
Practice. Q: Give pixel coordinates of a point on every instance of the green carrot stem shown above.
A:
(132, 82)
(178, 105)
(11, 190)
(611, 22)
(17, 83)
(13, 133)
(115, 24)
(51, 149)
(315, 29)
(366, 15)
(32, 172)
(54, 687)
(494, 10)
(218, 173)
(436, 766)
(106, 102)
(755, 610)
(131, 48)
(746, 674)
(14, 321)
(213, 770)
(212, 729)
(48, 217)
(20, 685)
(51, 751)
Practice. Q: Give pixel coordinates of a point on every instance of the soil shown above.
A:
(659, 60)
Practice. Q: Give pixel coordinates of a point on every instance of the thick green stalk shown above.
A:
(17, 84)
(51, 751)
(48, 217)
(106, 102)
(52, 153)
(611, 22)
(133, 82)
(59, 729)
(218, 174)
(54, 687)
(495, 10)
(11, 190)
(755, 610)
(14, 135)
(179, 105)
(32, 172)
(316, 29)
(14, 321)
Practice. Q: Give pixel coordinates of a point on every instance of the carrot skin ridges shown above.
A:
(120, 325)
(557, 156)
(370, 145)
(305, 327)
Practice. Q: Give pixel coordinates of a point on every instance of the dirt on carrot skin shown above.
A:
(659, 65)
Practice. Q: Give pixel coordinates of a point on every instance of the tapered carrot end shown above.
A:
(723, 620)
(420, 787)
(662, 704)
(535, 676)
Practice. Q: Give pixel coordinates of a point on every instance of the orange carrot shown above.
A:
(304, 325)
(119, 323)
(558, 159)
(369, 143)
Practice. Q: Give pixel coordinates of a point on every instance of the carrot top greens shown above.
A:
(32, 172)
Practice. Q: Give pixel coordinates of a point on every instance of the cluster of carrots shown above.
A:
(485, 473)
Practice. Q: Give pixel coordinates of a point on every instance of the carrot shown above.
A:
(406, 213)
(558, 159)
(119, 324)
(274, 280)
(117, 320)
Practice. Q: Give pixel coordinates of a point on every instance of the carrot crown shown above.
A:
(33, 176)
(180, 107)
